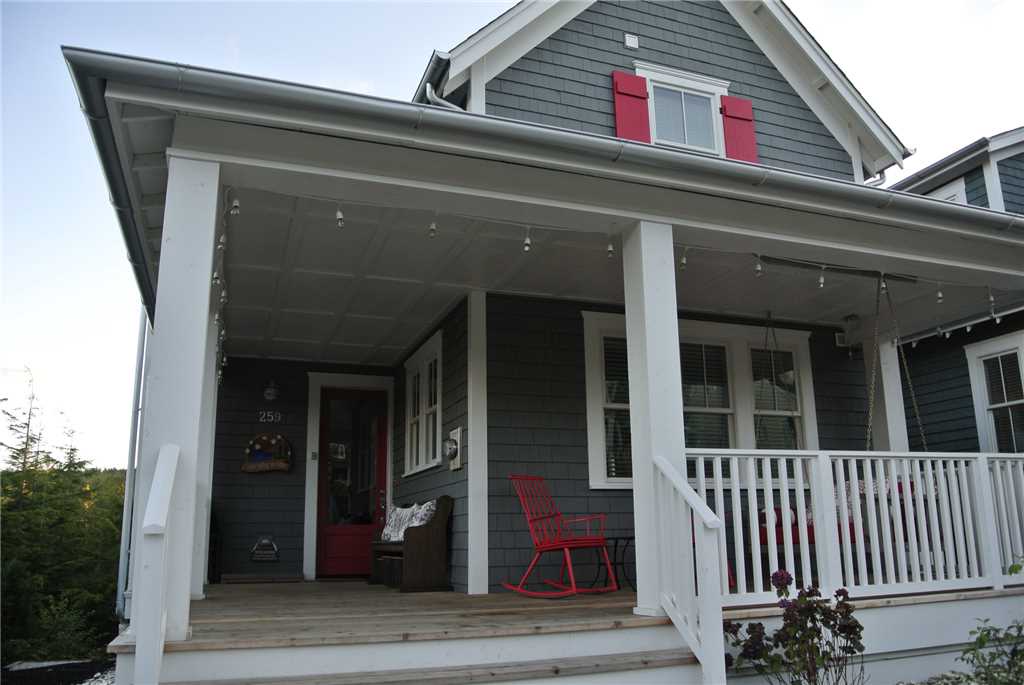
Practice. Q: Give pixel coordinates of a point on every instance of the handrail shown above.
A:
(158, 506)
(696, 502)
(149, 620)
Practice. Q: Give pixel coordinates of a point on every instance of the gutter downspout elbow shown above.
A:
(876, 180)
(433, 99)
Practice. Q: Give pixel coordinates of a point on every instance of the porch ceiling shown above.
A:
(300, 288)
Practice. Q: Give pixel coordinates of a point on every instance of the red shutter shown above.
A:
(738, 125)
(632, 120)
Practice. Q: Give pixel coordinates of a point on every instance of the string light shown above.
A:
(611, 249)
(527, 243)
(968, 328)
(884, 285)
(223, 361)
(758, 267)
(236, 207)
(223, 334)
(939, 297)
(222, 242)
(682, 260)
(224, 296)
(432, 230)
(340, 217)
(216, 278)
(821, 278)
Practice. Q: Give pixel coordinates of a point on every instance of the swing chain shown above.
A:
(906, 373)
(874, 370)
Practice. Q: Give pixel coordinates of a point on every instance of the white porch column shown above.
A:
(889, 427)
(475, 458)
(177, 362)
(204, 466)
(655, 385)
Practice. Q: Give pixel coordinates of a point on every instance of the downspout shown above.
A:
(129, 474)
(876, 180)
(433, 99)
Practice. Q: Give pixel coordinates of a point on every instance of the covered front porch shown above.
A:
(673, 340)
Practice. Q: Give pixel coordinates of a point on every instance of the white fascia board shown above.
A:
(498, 45)
(804, 65)
(1006, 148)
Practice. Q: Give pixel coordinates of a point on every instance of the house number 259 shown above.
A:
(268, 416)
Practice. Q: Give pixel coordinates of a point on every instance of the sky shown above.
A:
(939, 72)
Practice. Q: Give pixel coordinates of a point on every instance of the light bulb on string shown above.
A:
(682, 260)
(821, 278)
(222, 242)
(432, 230)
(884, 287)
(611, 249)
(216, 279)
(758, 267)
(224, 296)
(527, 242)
(236, 207)
(939, 297)
(339, 217)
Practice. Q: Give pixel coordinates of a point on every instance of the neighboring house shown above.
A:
(959, 369)
(633, 248)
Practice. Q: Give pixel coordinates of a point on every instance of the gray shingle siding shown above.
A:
(974, 187)
(566, 80)
(1011, 177)
(536, 394)
(440, 480)
(249, 505)
(941, 381)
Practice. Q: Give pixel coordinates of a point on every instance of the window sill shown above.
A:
(421, 469)
(624, 484)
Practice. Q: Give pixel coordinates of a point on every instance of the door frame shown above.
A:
(345, 381)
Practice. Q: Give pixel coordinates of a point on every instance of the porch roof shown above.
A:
(486, 170)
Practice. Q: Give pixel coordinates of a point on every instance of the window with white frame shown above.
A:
(423, 407)
(736, 393)
(684, 108)
(996, 368)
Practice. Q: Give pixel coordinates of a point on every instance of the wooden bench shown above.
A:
(420, 562)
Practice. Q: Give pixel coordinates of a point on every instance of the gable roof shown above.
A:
(769, 23)
(963, 160)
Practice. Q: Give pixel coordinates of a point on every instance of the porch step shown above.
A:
(490, 673)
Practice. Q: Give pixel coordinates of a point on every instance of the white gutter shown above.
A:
(129, 474)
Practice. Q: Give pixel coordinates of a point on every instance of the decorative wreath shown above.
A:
(267, 452)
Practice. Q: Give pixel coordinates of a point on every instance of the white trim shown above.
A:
(954, 191)
(976, 354)
(993, 186)
(686, 82)
(1006, 144)
(500, 43)
(818, 81)
(317, 382)
(476, 458)
(738, 340)
(419, 362)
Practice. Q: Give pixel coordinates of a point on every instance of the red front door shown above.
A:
(352, 479)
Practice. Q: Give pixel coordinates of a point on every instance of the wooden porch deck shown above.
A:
(319, 613)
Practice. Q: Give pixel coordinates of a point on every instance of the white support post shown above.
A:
(656, 395)
(204, 466)
(983, 496)
(476, 456)
(889, 427)
(826, 526)
(176, 366)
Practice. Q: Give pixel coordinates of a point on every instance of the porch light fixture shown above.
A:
(270, 392)
(236, 207)
(340, 217)
(758, 267)
(432, 231)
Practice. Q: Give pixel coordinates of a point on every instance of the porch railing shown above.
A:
(877, 523)
(687, 540)
(149, 620)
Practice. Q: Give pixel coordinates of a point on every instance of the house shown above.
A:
(638, 249)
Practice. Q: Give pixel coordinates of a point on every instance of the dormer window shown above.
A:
(684, 108)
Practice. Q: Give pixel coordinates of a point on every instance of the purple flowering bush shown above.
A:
(819, 641)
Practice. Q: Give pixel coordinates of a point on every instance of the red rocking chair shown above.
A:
(552, 532)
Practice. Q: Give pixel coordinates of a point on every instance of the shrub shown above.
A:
(819, 641)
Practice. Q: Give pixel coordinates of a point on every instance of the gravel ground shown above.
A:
(101, 678)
